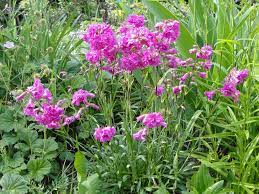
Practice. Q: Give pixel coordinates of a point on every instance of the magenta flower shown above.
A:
(21, 96)
(50, 116)
(69, 120)
(205, 52)
(102, 41)
(104, 134)
(136, 20)
(159, 90)
(36, 90)
(242, 75)
(169, 30)
(177, 90)
(141, 134)
(81, 96)
(184, 77)
(47, 95)
(28, 110)
(152, 120)
(202, 75)
(207, 65)
(209, 94)
(229, 90)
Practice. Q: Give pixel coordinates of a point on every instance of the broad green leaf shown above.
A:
(38, 168)
(215, 188)
(13, 184)
(8, 121)
(91, 185)
(201, 180)
(185, 41)
(45, 148)
(80, 165)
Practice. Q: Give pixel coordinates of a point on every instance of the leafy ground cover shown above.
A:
(129, 97)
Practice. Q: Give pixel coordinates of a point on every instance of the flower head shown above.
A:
(81, 96)
(136, 20)
(205, 52)
(29, 109)
(104, 134)
(141, 134)
(177, 90)
(159, 90)
(202, 75)
(209, 94)
(152, 120)
(50, 116)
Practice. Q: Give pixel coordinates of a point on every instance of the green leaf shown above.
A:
(185, 41)
(161, 190)
(201, 180)
(45, 148)
(91, 185)
(8, 121)
(215, 188)
(80, 165)
(13, 184)
(38, 168)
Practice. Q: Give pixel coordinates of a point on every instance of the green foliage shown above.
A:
(13, 184)
(208, 146)
(38, 168)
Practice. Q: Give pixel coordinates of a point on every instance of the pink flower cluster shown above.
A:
(133, 47)
(52, 116)
(104, 134)
(150, 120)
(192, 68)
(231, 82)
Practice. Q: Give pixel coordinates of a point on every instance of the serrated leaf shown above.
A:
(38, 168)
(13, 184)
(45, 148)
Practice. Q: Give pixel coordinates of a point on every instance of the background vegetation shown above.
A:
(208, 146)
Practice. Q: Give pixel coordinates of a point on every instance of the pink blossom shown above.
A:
(169, 30)
(69, 120)
(205, 52)
(159, 90)
(102, 41)
(36, 90)
(177, 90)
(104, 134)
(136, 20)
(152, 120)
(21, 96)
(47, 95)
(29, 109)
(141, 134)
(229, 90)
(209, 94)
(81, 96)
(202, 75)
(93, 56)
(207, 65)
(184, 77)
(50, 116)
(242, 75)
